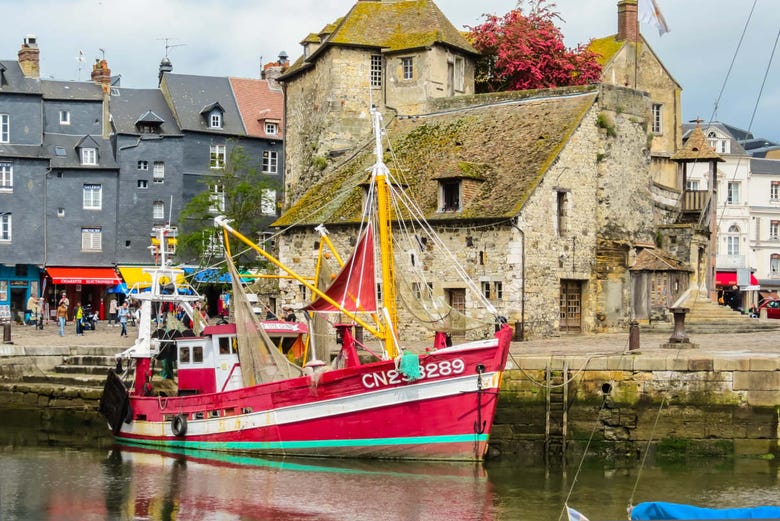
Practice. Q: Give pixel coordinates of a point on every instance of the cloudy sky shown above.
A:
(232, 37)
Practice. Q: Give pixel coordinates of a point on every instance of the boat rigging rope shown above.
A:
(647, 451)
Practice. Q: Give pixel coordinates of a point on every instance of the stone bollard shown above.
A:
(633, 336)
(7, 333)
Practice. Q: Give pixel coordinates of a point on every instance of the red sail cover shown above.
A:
(354, 285)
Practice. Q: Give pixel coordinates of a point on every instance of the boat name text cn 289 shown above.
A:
(432, 370)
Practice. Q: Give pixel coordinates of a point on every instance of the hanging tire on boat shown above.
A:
(179, 425)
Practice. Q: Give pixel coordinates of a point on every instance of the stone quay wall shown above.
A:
(622, 404)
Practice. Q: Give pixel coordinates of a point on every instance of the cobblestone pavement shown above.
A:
(764, 343)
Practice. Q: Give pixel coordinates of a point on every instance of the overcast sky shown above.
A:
(232, 37)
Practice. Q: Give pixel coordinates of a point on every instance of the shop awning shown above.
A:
(135, 275)
(729, 278)
(212, 275)
(63, 275)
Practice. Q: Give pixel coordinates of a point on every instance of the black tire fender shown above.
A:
(179, 425)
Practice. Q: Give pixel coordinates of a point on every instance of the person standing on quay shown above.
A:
(112, 309)
(62, 317)
(79, 316)
(123, 314)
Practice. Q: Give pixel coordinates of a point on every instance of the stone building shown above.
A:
(363, 59)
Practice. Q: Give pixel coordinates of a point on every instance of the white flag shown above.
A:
(651, 14)
(575, 516)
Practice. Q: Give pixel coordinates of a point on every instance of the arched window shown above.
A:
(732, 241)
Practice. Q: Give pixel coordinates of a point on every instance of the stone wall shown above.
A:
(698, 405)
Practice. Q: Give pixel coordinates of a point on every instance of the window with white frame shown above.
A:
(268, 202)
(158, 173)
(5, 128)
(64, 117)
(774, 230)
(692, 185)
(6, 176)
(92, 197)
(158, 210)
(215, 121)
(213, 244)
(271, 129)
(270, 162)
(143, 165)
(719, 144)
(732, 241)
(460, 74)
(91, 239)
(143, 184)
(658, 121)
(376, 70)
(407, 65)
(216, 199)
(5, 227)
(89, 156)
(217, 156)
(774, 264)
(774, 191)
(486, 289)
(732, 192)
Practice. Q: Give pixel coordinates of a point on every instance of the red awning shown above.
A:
(105, 276)
(729, 278)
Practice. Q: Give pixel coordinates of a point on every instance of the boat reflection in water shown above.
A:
(187, 484)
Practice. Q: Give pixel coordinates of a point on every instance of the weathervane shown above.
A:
(169, 45)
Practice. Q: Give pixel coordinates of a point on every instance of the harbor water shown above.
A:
(69, 470)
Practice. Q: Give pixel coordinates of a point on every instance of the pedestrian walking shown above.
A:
(41, 311)
(62, 317)
(123, 314)
(112, 310)
(79, 316)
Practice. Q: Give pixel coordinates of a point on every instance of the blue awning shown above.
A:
(211, 275)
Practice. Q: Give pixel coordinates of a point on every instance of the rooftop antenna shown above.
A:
(80, 59)
(102, 53)
(168, 45)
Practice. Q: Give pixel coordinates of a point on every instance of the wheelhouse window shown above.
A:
(92, 197)
(89, 156)
(376, 70)
(5, 227)
(64, 117)
(158, 174)
(270, 162)
(217, 156)
(5, 128)
(91, 239)
(407, 65)
(6, 176)
(658, 121)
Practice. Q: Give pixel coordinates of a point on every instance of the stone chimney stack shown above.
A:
(628, 22)
(29, 57)
(271, 71)
(101, 74)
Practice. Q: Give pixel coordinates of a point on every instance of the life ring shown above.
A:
(179, 425)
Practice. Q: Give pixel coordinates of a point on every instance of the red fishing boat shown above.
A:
(237, 390)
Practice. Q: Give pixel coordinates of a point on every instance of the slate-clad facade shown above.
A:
(88, 169)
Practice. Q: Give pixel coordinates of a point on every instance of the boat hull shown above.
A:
(368, 411)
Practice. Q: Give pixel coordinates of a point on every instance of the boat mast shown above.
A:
(379, 173)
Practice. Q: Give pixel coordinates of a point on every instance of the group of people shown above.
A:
(36, 309)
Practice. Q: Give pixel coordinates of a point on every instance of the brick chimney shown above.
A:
(628, 23)
(29, 59)
(101, 74)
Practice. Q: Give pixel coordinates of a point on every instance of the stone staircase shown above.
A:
(86, 369)
(706, 316)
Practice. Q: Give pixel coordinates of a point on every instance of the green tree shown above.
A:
(242, 193)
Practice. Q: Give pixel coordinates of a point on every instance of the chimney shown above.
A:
(165, 66)
(272, 70)
(628, 23)
(101, 74)
(29, 57)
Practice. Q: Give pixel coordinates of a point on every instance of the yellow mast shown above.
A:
(379, 172)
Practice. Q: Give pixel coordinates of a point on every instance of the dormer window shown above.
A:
(216, 120)
(89, 156)
(449, 195)
(213, 115)
(718, 143)
(271, 129)
(149, 123)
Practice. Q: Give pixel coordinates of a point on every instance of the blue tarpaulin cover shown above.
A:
(655, 510)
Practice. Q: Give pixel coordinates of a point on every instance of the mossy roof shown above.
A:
(392, 26)
(606, 48)
(509, 146)
(651, 259)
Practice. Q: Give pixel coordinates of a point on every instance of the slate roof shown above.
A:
(188, 94)
(23, 151)
(733, 134)
(258, 102)
(71, 90)
(510, 145)
(129, 105)
(14, 80)
(71, 158)
(389, 26)
(765, 166)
